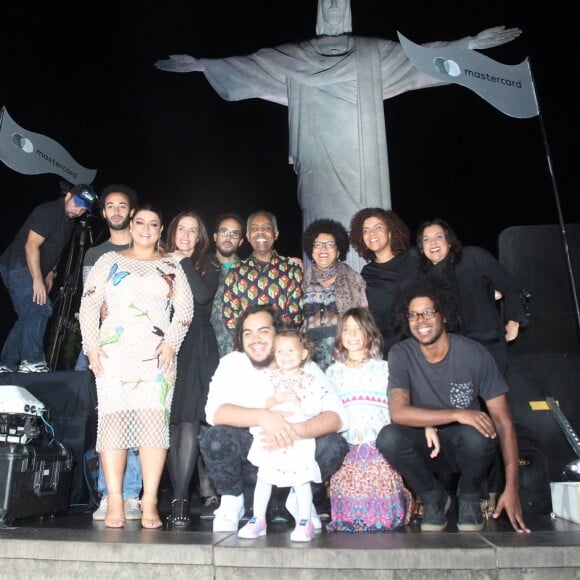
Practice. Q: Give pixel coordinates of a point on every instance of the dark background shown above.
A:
(84, 76)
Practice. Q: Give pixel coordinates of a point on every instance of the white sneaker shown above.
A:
(303, 532)
(292, 507)
(253, 529)
(228, 515)
(39, 367)
(133, 509)
(101, 511)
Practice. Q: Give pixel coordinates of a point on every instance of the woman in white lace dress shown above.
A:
(135, 310)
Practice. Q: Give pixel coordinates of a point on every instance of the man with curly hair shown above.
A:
(438, 378)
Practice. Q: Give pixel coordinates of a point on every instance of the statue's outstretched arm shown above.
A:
(181, 63)
(495, 36)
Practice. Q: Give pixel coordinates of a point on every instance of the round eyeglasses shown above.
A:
(330, 245)
(427, 314)
(225, 233)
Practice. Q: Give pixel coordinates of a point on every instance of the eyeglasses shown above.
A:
(425, 315)
(330, 245)
(225, 233)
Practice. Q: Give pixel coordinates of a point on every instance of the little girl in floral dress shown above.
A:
(366, 493)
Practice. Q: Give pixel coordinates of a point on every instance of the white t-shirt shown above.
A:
(237, 382)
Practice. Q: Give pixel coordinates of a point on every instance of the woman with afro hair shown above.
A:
(330, 286)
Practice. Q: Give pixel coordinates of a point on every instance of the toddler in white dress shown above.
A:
(299, 395)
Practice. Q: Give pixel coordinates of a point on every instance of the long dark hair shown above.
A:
(455, 245)
(201, 248)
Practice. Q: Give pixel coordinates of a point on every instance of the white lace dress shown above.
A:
(146, 302)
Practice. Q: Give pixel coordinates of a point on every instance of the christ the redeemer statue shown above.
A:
(333, 86)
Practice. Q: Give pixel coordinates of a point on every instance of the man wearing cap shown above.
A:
(28, 269)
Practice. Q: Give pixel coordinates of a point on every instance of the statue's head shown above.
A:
(334, 17)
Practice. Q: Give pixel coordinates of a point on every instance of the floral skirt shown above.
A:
(367, 494)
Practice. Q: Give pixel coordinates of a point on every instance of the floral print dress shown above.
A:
(144, 303)
(366, 493)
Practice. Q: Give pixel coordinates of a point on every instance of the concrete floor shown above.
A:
(72, 545)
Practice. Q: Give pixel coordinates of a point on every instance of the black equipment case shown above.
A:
(35, 480)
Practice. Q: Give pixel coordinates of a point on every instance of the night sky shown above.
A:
(87, 80)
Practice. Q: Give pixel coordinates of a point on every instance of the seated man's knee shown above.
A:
(339, 443)
(388, 440)
(331, 444)
(218, 443)
(330, 452)
(476, 444)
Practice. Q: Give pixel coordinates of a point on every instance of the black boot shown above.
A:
(180, 513)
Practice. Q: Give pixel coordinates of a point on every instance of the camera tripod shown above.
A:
(63, 302)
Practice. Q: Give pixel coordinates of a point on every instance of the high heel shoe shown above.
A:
(180, 513)
(150, 519)
(115, 516)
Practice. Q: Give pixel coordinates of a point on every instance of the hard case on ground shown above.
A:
(35, 480)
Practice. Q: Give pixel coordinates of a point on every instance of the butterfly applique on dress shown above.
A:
(116, 276)
(170, 279)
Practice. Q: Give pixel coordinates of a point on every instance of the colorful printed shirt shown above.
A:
(277, 282)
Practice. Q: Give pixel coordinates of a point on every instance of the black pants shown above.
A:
(225, 452)
(464, 450)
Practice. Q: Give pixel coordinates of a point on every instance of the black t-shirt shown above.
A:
(383, 282)
(465, 374)
(50, 221)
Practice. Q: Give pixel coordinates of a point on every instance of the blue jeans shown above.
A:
(25, 342)
(132, 481)
(82, 363)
